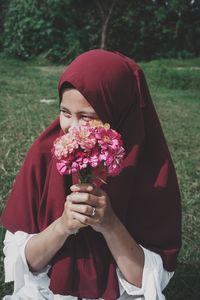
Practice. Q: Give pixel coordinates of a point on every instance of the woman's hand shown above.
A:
(90, 205)
(67, 223)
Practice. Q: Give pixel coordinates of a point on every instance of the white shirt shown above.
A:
(35, 286)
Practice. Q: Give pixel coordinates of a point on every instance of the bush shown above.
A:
(26, 31)
(61, 29)
(184, 54)
(56, 29)
(74, 29)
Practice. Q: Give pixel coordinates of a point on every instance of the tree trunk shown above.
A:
(103, 35)
(105, 16)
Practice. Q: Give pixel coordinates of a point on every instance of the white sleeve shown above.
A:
(155, 279)
(16, 268)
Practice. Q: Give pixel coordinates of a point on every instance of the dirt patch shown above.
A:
(188, 68)
(51, 70)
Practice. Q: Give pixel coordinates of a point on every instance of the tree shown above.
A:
(105, 10)
(61, 29)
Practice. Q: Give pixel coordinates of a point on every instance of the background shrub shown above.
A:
(26, 30)
(59, 30)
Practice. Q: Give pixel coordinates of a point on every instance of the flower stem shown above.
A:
(85, 175)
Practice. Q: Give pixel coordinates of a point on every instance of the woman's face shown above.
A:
(75, 110)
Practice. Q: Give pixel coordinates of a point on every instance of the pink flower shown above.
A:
(62, 167)
(92, 146)
(114, 169)
(63, 146)
(95, 158)
(84, 136)
(108, 138)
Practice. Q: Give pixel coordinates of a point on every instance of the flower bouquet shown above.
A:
(90, 149)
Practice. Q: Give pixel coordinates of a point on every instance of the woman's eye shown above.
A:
(66, 114)
(87, 118)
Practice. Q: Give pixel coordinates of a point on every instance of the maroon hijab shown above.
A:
(145, 196)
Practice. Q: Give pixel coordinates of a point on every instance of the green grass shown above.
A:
(175, 88)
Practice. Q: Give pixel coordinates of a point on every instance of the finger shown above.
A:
(87, 187)
(83, 209)
(84, 219)
(84, 198)
(79, 224)
(82, 187)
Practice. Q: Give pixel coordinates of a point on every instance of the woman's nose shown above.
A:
(73, 122)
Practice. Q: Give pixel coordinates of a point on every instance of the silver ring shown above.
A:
(93, 211)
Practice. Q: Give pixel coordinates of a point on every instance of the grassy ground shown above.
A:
(175, 87)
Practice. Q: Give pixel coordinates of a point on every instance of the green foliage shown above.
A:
(51, 27)
(64, 38)
(154, 29)
(3, 9)
(26, 30)
(73, 29)
(60, 30)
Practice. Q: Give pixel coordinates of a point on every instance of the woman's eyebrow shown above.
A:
(88, 112)
(65, 109)
(80, 112)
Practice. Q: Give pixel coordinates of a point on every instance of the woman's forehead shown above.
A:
(73, 99)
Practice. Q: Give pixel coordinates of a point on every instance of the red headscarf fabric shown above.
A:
(145, 195)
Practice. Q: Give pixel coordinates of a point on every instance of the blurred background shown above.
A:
(60, 30)
(39, 38)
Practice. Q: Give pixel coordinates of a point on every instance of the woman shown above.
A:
(119, 240)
